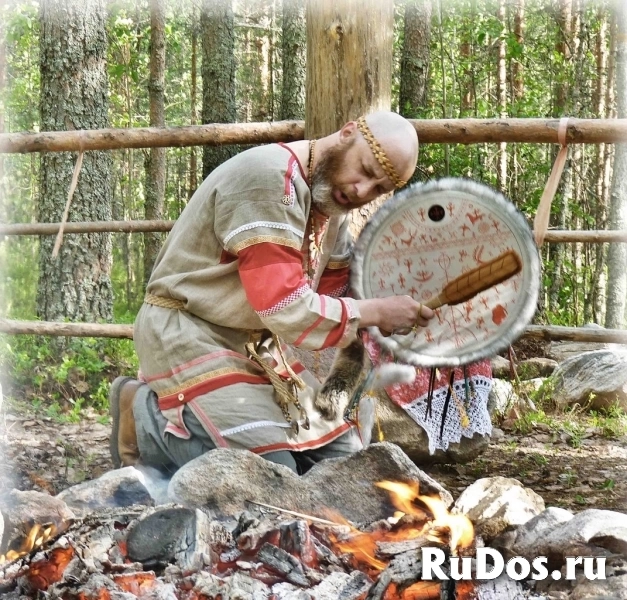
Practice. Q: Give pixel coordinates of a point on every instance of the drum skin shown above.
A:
(429, 234)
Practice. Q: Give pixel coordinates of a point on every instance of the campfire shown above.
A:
(389, 553)
(275, 555)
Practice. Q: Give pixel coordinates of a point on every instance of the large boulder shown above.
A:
(594, 380)
(495, 504)
(223, 481)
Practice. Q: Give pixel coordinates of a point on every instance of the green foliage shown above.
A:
(575, 426)
(612, 423)
(62, 377)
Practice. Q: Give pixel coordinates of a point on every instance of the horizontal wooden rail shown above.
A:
(86, 227)
(65, 329)
(576, 334)
(8, 326)
(147, 226)
(441, 131)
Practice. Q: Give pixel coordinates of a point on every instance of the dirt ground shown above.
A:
(41, 454)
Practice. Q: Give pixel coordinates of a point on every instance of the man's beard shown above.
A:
(322, 179)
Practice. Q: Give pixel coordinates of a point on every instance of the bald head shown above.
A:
(398, 138)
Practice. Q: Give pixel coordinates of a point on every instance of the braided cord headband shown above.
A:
(379, 153)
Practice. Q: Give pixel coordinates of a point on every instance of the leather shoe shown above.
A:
(123, 440)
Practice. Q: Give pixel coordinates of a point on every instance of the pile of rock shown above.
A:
(136, 532)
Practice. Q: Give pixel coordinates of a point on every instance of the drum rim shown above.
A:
(531, 261)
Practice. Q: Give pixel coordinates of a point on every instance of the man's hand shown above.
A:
(393, 313)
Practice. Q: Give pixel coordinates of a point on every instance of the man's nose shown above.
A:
(363, 189)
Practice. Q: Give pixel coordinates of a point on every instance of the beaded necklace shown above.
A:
(315, 233)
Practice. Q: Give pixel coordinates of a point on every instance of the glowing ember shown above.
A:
(421, 590)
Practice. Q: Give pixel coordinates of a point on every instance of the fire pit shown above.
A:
(400, 541)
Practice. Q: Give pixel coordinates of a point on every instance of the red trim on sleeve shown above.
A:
(333, 280)
(336, 335)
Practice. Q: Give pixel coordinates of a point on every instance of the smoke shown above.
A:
(6, 469)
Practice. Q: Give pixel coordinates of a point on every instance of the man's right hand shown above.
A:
(393, 313)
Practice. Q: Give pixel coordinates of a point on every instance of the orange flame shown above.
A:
(428, 519)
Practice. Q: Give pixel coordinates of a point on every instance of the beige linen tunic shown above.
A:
(240, 260)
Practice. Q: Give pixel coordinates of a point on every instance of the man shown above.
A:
(259, 259)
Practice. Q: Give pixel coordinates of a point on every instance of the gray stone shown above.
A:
(155, 539)
(222, 481)
(525, 539)
(594, 380)
(557, 534)
(348, 484)
(614, 586)
(563, 350)
(536, 367)
(501, 367)
(593, 527)
(502, 398)
(122, 487)
(23, 510)
(399, 428)
(495, 504)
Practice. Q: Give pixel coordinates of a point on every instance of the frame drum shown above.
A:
(427, 235)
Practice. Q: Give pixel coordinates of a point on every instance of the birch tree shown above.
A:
(617, 255)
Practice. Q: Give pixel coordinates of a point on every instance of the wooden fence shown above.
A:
(442, 131)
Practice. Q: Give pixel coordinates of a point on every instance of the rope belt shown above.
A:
(285, 389)
(164, 302)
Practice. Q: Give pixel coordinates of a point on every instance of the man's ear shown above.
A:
(348, 132)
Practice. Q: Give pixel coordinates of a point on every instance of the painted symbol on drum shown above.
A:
(499, 314)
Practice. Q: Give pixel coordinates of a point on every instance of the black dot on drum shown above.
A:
(436, 212)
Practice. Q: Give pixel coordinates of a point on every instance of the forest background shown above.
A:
(245, 61)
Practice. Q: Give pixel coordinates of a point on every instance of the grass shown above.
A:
(62, 377)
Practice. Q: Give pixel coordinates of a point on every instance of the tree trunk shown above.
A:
(3, 68)
(155, 164)
(294, 55)
(518, 84)
(617, 255)
(580, 260)
(349, 68)
(218, 74)
(415, 57)
(560, 213)
(349, 61)
(74, 95)
(594, 307)
(501, 93)
(193, 166)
